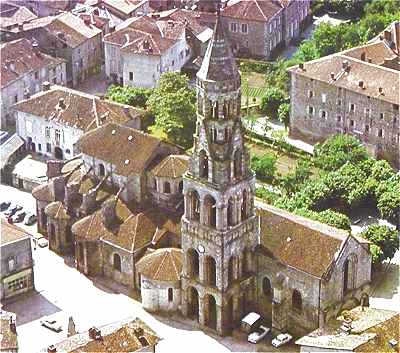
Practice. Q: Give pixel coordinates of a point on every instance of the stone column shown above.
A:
(187, 204)
(222, 214)
(202, 309)
(185, 304)
(202, 259)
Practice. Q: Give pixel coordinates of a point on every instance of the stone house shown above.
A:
(16, 261)
(24, 68)
(13, 15)
(122, 10)
(52, 121)
(71, 38)
(257, 28)
(355, 92)
(132, 334)
(307, 272)
(143, 48)
(160, 275)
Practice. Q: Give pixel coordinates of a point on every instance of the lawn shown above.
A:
(253, 86)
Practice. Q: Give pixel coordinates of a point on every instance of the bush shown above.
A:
(384, 238)
(267, 195)
(270, 102)
(134, 96)
(284, 114)
(264, 166)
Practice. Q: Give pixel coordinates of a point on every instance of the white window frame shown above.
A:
(47, 132)
(352, 110)
(244, 25)
(233, 27)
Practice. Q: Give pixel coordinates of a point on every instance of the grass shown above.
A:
(253, 86)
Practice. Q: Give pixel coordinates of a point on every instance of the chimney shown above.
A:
(301, 66)
(13, 326)
(126, 109)
(387, 35)
(361, 84)
(46, 86)
(51, 349)
(87, 21)
(380, 90)
(146, 44)
(59, 188)
(363, 55)
(108, 213)
(54, 168)
(61, 103)
(332, 75)
(20, 26)
(345, 65)
(95, 334)
(35, 48)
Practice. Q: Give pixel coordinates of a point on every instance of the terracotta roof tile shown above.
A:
(124, 6)
(11, 15)
(173, 166)
(252, 10)
(299, 242)
(44, 192)
(10, 232)
(129, 150)
(81, 110)
(376, 53)
(162, 265)
(57, 210)
(18, 58)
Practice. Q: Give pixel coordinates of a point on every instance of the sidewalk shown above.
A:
(259, 129)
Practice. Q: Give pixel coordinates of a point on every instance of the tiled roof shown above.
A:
(129, 335)
(11, 15)
(219, 63)
(82, 111)
(173, 166)
(146, 35)
(10, 232)
(129, 150)
(9, 148)
(299, 242)
(75, 31)
(375, 53)
(8, 338)
(44, 192)
(57, 210)
(373, 76)
(98, 21)
(124, 6)
(162, 265)
(252, 10)
(18, 58)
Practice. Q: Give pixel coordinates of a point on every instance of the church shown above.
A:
(188, 233)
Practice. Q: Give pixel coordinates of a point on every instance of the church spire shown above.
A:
(219, 63)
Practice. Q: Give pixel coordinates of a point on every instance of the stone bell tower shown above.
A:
(219, 226)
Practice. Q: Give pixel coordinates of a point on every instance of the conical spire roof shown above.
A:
(219, 62)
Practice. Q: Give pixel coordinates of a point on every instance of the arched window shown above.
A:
(170, 294)
(297, 302)
(210, 210)
(194, 202)
(244, 205)
(117, 262)
(231, 207)
(102, 170)
(266, 286)
(193, 263)
(167, 188)
(226, 110)
(215, 110)
(232, 269)
(211, 271)
(237, 163)
(203, 164)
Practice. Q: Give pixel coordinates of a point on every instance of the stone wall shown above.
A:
(155, 295)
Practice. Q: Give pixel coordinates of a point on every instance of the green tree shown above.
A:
(293, 182)
(387, 239)
(173, 105)
(134, 96)
(264, 166)
(338, 150)
(284, 114)
(270, 102)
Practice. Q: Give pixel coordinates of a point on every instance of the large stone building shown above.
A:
(52, 121)
(16, 261)
(354, 92)
(143, 48)
(257, 28)
(219, 258)
(24, 68)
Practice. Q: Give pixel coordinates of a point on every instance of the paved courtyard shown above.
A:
(61, 291)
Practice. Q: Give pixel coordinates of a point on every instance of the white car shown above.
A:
(281, 339)
(257, 335)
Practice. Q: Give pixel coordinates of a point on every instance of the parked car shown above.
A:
(257, 335)
(42, 242)
(4, 205)
(251, 322)
(281, 339)
(18, 217)
(30, 219)
(51, 324)
(14, 208)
